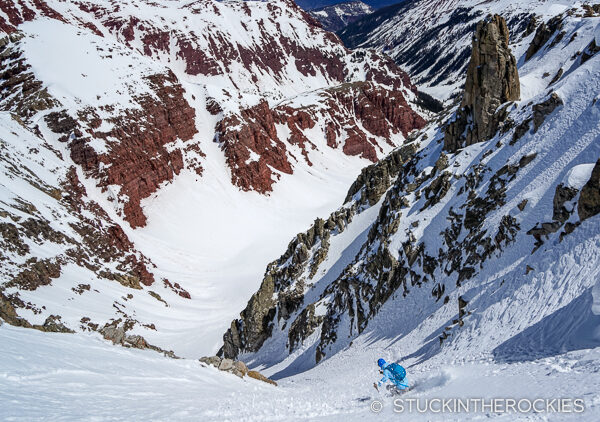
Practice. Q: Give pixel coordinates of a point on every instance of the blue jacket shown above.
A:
(388, 375)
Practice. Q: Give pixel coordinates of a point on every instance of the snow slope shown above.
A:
(61, 377)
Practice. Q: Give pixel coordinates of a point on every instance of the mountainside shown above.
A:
(430, 39)
(310, 5)
(156, 155)
(335, 17)
(478, 238)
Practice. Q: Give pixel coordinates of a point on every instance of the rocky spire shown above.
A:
(492, 80)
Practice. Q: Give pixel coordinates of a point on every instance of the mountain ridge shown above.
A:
(337, 16)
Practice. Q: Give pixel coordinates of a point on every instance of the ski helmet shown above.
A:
(381, 362)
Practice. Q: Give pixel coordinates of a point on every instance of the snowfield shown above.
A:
(63, 377)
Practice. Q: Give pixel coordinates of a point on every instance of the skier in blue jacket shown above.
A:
(391, 372)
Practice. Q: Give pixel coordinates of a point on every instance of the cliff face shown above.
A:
(359, 118)
(492, 76)
(492, 80)
(137, 159)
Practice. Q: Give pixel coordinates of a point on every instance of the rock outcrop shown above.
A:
(492, 80)
(561, 212)
(590, 51)
(360, 116)
(544, 109)
(235, 367)
(117, 334)
(138, 158)
(543, 34)
(589, 199)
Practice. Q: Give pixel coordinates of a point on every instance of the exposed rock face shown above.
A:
(539, 113)
(39, 273)
(590, 51)
(492, 80)
(117, 333)
(259, 313)
(256, 321)
(303, 326)
(138, 159)
(563, 196)
(362, 113)
(8, 313)
(543, 34)
(564, 204)
(211, 361)
(226, 365)
(249, 135)
(239, 369)
(492, 74)
(589, 199)
(374, 180)
(19, 89)
(544, 109)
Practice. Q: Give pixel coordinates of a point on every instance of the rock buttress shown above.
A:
(492, 80)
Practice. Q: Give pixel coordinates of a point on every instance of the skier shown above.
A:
(392, 372)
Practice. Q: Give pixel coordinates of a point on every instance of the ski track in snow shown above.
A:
(63, 377)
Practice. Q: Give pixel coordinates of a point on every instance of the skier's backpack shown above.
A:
(398, 371)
